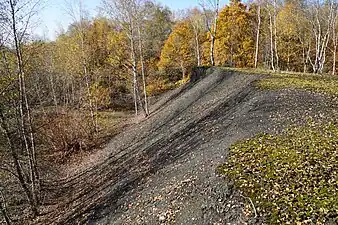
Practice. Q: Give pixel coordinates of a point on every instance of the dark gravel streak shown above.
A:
(163, 170)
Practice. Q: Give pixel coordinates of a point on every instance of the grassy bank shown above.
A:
(320, 83)
(291, 177)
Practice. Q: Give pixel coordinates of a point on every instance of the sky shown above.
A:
(53, 18)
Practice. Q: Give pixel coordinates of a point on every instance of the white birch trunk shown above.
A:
(271, 42)
(257, 34)
(146, 110)
(26, 119)
(275, 33)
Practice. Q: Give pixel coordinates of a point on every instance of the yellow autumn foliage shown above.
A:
(234, 44)
(178, 50)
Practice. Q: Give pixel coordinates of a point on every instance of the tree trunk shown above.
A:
(304, 59)
(197, 44)
(20, 173)
(212, 46)
(275, 32)
(86, 76)
(323, 59)
(308, 59)
(146, 110)
(231, 55)
(134, 66)
(271, 43)
(26, 133)
(334, 39)
(183, 70)
(52, 83)
(257, 34)
(212, 28)
(334, 59)
(3, 208)
(214, 35)
(321, 38)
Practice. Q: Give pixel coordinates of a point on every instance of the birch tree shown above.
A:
(196, 21)
(259, 21)
(75, 9)
(211, 11)
(16, 121)
(275, 32)
(271, 8)
(334, 38)
(125, 12)
(139, 20)
(272, 47)
(321, 17)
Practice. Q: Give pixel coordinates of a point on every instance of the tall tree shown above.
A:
(125, 13)
(235, 42)
(273, 50)
(158, 25)
(211, 11)
(259, 21)
(197, 23)
(321, 17)
(77, 12)
(272, 9)
(16, 119)
(140, 35)
(275, 32)
(334, 38)
(290, 47)
(178, 50)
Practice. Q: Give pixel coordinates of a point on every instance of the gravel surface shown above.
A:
(163, 169)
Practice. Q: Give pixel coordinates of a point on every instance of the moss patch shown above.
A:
(320, 83)
(292, 178)
(311, 83)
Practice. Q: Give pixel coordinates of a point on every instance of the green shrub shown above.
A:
(292, 178)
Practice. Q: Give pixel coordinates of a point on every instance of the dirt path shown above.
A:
(163, 170)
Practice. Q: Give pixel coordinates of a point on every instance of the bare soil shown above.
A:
(162, 169)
